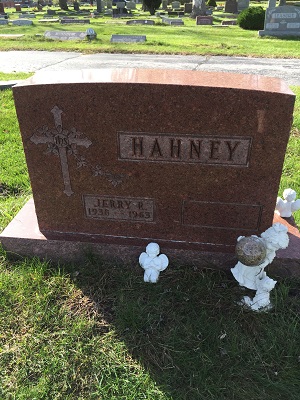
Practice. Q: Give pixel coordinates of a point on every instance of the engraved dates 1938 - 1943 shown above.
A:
(119, 208)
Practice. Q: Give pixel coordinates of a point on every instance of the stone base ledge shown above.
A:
(279, 33)
(22, 238)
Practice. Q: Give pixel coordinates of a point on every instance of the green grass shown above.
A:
(161, 39)
(96, 331)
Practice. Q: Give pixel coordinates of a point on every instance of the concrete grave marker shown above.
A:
(74, 21)
(48, 20)
(22, 22)
(27, 16)
(127, 38)
(190, 181)
(140, 22)
(242, 5)
(65, 35)
(172, 21)
(229, 22)
(3, 21)
(282, 21)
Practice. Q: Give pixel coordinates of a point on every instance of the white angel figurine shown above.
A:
(153, 263)
(286, 207)
(254, 277)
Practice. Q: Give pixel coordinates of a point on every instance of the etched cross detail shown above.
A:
(62, 142)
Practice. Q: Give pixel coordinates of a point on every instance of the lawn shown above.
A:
(161, 38)
(97, 331)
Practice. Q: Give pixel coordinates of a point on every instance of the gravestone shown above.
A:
(164, 4)
(177, 13)
(204, 20)
(131, 5)
(121, 5)
(76, 5)
(109, 4)
(74, 21)
(3, 21)
(231, 6)
(65, 35)
(188, 7)
(22, 22)
(282, 21)
(48, 20)
(243, 5)
(18, 7)
(229, 22)
(27, 16)
(140, 22)
(127, 38)
(176, 5)
(190, 175)
(272, 4)
(1, 8)
(172, 21)
(51, 12)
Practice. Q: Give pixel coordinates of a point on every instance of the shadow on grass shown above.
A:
(188, 332)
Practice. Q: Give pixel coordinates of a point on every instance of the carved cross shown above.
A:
(61, 143)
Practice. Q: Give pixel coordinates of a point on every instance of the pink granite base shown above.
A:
(22, 238)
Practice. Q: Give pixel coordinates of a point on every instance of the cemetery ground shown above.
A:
(97, 331)
(160, 38)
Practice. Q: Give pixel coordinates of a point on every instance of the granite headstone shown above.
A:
(204, 20)
(65, 35)
(190, 175)
(127, 38)
(282, 21)
(21, 22)
(231, 6)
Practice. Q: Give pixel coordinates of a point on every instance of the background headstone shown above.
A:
(188, 8)
(3, 21)
(272, 4)
(242, 5)
(140, 22)
(204, 20)
(282, 21)
(172, 21)
(176, 5)
(22, 22)
(1, 8)
(164, 4)
(231, 6)
(131, 5)
(65, 35)
(127, 38)
(27, 16)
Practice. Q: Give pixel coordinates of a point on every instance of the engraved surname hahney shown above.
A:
(184, 148)
(118, 208)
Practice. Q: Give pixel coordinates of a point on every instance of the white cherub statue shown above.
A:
(153, 263)
(254, 277)
(286, 207)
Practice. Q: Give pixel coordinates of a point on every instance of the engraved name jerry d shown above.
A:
(187, 149)
(119, 208)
